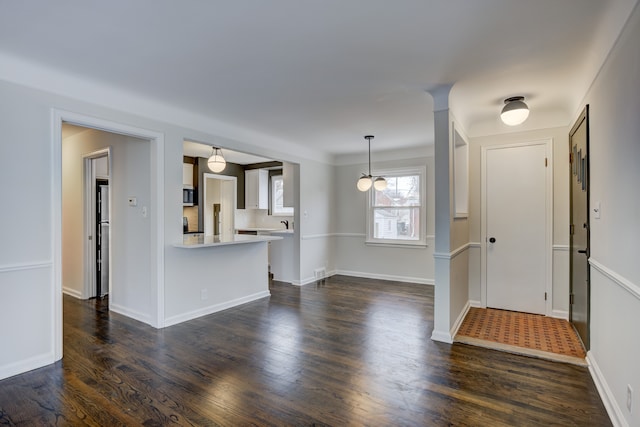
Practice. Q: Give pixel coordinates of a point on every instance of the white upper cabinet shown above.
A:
(187, 175)
(256, 190)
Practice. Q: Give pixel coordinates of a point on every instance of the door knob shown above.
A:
(492, 239)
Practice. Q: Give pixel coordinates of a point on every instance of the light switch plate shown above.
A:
(596, 210)
(133, 201)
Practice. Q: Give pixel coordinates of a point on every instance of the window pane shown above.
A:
(278, 192)
(399, 224)
(277, 197)
(400, 191)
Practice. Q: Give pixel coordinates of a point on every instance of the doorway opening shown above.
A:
(136, 206)
(97, 215)
(220, 194)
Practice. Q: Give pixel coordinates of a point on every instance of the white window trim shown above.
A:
(422, 241)
(286, 211)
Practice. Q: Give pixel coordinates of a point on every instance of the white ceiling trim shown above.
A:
(36, 76)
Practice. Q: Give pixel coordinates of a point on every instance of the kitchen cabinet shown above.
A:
(187, 175)
(256, 195)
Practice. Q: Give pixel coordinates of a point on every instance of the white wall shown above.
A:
(614, 101)
(560, 163)
(27, 259)
(314, 219)
(352, 255)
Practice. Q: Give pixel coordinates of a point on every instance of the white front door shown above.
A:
(517, 226)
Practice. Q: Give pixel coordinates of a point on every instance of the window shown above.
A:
(277, 197)
(460, 175)
(396, 215)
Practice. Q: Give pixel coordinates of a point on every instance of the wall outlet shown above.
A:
(629, 397)
(204, 294)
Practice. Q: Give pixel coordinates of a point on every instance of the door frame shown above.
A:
(582, 118)
(90, 218)
(206, 176)
(548, 144)
(156, 139)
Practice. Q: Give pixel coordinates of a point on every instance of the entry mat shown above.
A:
(523, 333)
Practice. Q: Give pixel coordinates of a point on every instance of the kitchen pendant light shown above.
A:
(216, 162)
(366, 181)
(515, 111)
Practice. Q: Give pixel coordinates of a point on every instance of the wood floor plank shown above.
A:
(346, 351)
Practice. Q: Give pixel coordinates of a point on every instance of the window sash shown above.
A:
(405, 224)
(277, 194)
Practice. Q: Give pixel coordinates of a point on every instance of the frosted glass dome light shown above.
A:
(216, 162)
(515, 111)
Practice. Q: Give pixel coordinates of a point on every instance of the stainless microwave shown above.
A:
(188, 197)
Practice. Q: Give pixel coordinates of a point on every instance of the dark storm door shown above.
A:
(580, 289)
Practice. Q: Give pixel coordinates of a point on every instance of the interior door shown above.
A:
(579, 298)
(516, 227)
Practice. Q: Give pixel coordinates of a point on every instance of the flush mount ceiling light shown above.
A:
(515, 111)
(216, 162)
(365, 181)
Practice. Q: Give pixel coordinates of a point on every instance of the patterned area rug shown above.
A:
(522, 333)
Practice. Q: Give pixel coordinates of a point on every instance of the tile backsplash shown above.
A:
(251, 218)
(191, 212)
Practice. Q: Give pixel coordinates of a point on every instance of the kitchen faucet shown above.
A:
(286, 224)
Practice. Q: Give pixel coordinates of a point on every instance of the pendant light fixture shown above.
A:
(216, 162)
(515, 111)
(366, 181)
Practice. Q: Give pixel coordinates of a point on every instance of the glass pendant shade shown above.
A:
(216, 162)
(515, 111)
(380, 183)
(364, 183)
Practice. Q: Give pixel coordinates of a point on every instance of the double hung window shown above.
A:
(396, 215)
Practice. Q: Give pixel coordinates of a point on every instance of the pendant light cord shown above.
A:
(368, 138)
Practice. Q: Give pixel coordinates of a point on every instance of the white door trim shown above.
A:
(548, 143)
(157, 218)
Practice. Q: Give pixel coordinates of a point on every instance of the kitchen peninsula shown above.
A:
(216, 274)
(200, 241)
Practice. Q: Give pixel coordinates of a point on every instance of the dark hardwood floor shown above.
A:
(344, 352)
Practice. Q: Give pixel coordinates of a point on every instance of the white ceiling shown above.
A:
(324, 73)
(195, 149)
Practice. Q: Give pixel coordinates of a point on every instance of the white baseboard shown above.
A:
(459, 320)
(174, 320)
(475, 304)
(72, 292)
(440, 336)
(140, 317)
(23, 366)
(608, 399)
(404, 279)
(560, 314)
(364, 275)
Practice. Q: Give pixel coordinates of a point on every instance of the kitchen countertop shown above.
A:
(196, 241)
(256, 229)
(284, 232)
